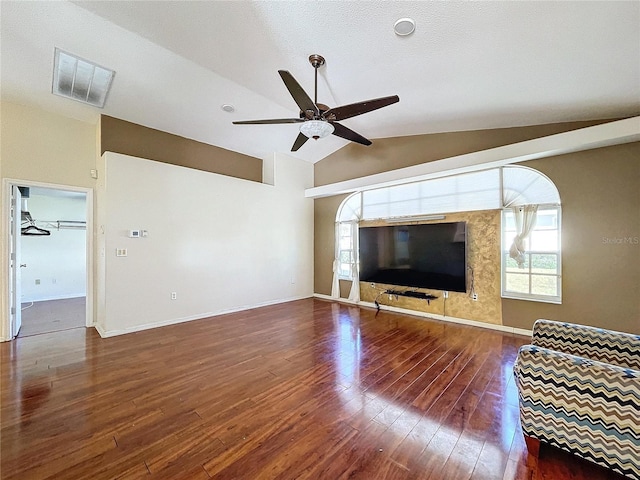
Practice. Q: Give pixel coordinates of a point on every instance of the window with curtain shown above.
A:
(346, 251)
(535, 273)
(538, 276)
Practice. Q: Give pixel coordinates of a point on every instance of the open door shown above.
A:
(15, 281)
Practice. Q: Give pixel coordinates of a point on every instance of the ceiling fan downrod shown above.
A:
(316, 62)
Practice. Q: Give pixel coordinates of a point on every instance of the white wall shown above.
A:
(221, 243)
(58, 260)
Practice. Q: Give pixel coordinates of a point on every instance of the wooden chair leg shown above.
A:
(533, 446)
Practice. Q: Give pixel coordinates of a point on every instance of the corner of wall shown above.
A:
(269, 170)
(99, 272)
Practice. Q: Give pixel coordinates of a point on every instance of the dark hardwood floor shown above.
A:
(308, 389)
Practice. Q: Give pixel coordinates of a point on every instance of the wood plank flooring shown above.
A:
(302, 390)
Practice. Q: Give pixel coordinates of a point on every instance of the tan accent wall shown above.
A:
(128, 138)
(324, 220)
(600, 194)
(483, 256)
(354, 161)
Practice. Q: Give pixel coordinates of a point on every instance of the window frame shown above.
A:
(351, 250)
(504, 252)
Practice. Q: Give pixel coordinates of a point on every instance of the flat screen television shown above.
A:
(430, 255)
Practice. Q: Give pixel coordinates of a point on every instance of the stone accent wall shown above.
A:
(483, 256)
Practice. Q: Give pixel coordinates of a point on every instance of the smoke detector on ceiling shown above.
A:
(404, 27)
(80, 80)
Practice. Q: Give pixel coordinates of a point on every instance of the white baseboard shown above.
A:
(522, 331)
(435, 316)
(332, 299)
(104, 333)
(100, 330)
(54, 297)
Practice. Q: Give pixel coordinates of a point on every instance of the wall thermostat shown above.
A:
(134, 233)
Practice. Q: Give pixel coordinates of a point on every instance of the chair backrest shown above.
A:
(608, 346)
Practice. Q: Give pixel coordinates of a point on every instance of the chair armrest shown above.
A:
(583, 406)
(608, 346)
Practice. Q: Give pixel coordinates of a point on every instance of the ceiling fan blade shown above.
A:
(344, 132)
(269, 121)
(299, 95)
(299, 142)
(348, 111)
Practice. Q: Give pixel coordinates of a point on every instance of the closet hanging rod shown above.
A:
(65, 224)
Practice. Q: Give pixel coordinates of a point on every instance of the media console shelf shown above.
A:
(404, 293)
(409, 293)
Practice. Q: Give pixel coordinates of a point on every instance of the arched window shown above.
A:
(528, 199)
(346, 248)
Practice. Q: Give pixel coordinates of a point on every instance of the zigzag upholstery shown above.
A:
(608, 346)
(581, 405)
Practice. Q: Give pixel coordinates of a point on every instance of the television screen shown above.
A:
(430, 255)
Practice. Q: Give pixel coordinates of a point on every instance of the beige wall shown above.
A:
(600, 197)
(44, 147)
(600, 194)
(39, 146)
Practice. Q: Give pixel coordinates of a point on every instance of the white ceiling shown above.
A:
(469, 65)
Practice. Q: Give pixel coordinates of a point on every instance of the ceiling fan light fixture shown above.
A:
(404, 27)
(316, 129)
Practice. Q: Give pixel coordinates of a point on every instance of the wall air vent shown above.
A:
(80, 80)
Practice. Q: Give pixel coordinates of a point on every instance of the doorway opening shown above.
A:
(49, 258)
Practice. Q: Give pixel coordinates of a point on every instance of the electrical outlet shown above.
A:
(174, 296)
(474, 297)
(445, 294)
(37, 281)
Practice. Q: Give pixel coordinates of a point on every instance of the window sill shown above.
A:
(526, 298)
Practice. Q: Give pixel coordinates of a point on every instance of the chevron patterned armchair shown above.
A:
(579, 390)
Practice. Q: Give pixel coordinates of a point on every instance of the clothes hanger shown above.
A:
(33, 230)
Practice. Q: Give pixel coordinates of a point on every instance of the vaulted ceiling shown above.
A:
(469, 65)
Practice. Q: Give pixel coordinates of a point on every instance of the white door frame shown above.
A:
(15, 262)
(7, 183)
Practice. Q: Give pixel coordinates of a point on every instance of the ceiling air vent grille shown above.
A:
(80, 80)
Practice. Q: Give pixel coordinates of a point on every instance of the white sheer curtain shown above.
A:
(354, 293)
(335, 286)
(525, 219)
